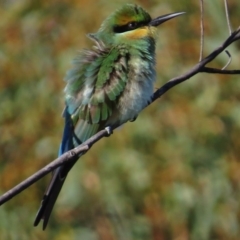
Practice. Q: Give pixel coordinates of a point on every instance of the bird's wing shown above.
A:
(104, 78)
(93, 87)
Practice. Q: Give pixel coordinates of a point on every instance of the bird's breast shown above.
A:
(139, 88)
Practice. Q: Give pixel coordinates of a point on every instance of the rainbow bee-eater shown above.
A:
(108, 85)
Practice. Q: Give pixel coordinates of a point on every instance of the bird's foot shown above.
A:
(109, 130)
(133, 119)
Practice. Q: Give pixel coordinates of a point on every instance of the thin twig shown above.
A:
(229, 59)
(201, 30)
(227, 17)
(220, 71)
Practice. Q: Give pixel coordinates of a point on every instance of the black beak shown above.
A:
(159, 20)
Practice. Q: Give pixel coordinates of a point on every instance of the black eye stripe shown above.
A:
(128, 27)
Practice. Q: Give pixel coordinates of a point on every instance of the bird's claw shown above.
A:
(133, 119)
(109, 130)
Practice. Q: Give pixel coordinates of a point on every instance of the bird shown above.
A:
(107, 86)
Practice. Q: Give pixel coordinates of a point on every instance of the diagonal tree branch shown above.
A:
(68, 156)
(83, 148)
(198, 67)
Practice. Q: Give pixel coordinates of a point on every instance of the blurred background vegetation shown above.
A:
(172, 174)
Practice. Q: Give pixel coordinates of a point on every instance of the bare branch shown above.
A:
(83, 148)
(201, 30)
(220, 71)
(227, 17)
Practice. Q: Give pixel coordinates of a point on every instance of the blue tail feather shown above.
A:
(59, 175)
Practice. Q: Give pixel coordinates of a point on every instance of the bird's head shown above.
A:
(130, 23)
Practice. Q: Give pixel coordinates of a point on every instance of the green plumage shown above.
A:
(94, 84)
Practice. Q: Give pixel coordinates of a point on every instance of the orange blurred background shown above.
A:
(172, 174)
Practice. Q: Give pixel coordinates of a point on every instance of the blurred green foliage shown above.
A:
(172, 174)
